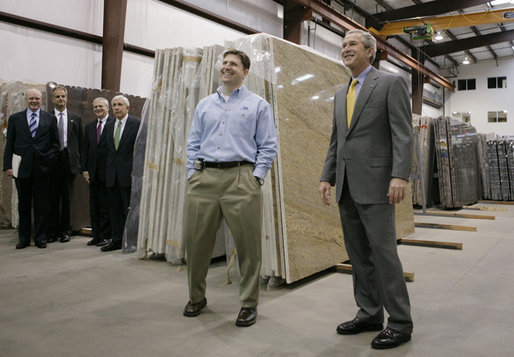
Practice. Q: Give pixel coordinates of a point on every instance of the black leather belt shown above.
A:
(226, 165)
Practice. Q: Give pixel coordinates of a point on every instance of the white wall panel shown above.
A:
(136, 74)
(37, 57)
(86, 16)
(153, 24)
(481, 100)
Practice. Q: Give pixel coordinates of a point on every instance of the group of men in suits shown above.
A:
(45, 151)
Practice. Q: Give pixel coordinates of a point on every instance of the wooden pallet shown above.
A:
(453, 227)
(430, 243)
(347, 268)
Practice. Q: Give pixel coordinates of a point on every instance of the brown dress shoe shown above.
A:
(247, 316)
(192, 310)
(389, 338)
(356, 325)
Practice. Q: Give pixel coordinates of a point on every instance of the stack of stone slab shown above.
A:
(300, 236)
(500, 157)
(422, 160)
(457, 162)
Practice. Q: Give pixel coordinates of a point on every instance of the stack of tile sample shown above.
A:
(300, 235)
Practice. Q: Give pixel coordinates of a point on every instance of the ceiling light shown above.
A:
(466, 61)
(438, 36)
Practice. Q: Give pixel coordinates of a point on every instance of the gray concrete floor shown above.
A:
(72, 300)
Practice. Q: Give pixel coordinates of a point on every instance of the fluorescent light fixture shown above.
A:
(277, 69)
(316, 97)
(438, 36)
(280, 11)
(466, 61)
(500, 2)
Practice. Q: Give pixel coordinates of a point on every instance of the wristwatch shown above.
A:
(259, 180)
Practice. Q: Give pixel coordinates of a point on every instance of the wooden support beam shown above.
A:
(113, 41)
(498, 202)
(430, 243)
(455, 214)
(484, 208)
(86, 231)
(452, 227)
(347, 268)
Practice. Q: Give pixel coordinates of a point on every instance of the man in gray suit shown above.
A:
(369, 160)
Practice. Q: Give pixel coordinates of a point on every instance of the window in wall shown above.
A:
(466, 84)
(464, 116)
(497, 82)
(497, 117)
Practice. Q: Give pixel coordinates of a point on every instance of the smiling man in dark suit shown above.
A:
(62, 175)
(31, 135)
(93, 158)
(369, 161)
(121, 135)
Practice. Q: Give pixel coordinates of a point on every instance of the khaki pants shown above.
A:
(233, 194)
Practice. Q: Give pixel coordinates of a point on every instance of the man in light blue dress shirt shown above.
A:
(232, 144)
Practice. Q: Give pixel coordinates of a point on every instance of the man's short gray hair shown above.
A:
(368, 40)
(101, 99)
(125, 99)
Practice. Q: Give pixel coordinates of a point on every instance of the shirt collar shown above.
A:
(237, 91)
(38, 112)
(103, 119)
(362, 76)
(123, 120)
(64, 112)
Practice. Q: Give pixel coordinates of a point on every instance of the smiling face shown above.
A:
(232, 71)
(119, 108)
(355, 56)
(101, 108)
(33, 99)
(59, 99)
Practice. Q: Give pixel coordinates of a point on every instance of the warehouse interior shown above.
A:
(454, 231)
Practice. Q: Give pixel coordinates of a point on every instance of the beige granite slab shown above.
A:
(306, 84)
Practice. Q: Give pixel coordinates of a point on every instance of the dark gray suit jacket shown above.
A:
(378, 144)
(119, 162)
(38, 152)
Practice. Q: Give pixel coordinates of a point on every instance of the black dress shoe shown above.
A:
(65, 238)
(357, 326)
(247, 316)
(21, 245)
(103, 242)
(389, 338)
(51, 239)
(41, 244)
(110, 247)
(192, 310)
(93, 241)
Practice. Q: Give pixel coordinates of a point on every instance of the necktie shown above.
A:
(98, 131)
(350, 102)
(117, 135)
(61, 129)
(33, 125)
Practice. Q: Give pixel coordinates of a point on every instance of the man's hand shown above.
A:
(324, 191)
(8, 172)
(397, 188)
(85, 174)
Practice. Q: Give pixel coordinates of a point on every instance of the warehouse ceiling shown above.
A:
(471, 30)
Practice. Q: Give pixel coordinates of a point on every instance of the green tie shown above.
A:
(117, 135)
(350, 102)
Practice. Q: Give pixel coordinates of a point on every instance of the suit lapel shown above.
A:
(364, 94)
(126, 130)
(25, 123)
(42, 122)
(104, 131)
(70, 126)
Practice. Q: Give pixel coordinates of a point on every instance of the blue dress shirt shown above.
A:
(240, 129)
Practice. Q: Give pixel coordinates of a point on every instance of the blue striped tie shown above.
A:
(33, 125)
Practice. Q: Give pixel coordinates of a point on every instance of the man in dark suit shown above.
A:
(62, 175)
(369, 161)
(93, 159)
(121, 136)
(31, 135)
